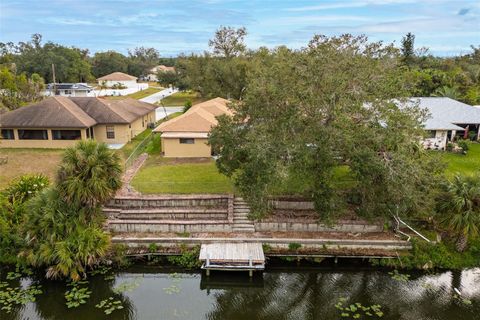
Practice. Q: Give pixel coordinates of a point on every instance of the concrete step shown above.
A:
(241, 211)
(175, 210)
(176, 216)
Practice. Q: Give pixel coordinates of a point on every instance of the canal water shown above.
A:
(280, 293)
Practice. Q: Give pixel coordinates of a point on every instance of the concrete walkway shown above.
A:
(159, 95)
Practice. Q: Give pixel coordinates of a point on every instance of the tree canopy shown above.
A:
(306, 114)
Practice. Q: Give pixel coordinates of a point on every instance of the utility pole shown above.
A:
(54, 81)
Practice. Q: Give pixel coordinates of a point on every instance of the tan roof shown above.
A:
(75, 112)
(162, 68)
(53, 112)
(117, 76)
(199, 118)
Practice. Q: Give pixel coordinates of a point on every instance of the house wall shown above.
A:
(439, 142)
(50, 143)
(124, 132)
(74, 93)
(171, 147)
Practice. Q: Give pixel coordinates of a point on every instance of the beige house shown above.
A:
(116, 78)
(58, 122)
(152, 76)
(186, 136)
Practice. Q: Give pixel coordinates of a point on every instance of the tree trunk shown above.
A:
(461, 243)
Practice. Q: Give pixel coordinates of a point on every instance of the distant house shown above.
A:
(152, 76)
(187, 135)
(448, 119)
(57, 122)
(117, 78)
(68, 89)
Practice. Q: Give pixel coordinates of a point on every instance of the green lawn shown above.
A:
(137, 95)
(160, 175)
(468, 164)
(179, 98)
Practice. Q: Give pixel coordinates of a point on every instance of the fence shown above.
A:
(138, 150)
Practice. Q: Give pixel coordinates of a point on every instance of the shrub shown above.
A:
(26, 187)
(187, 106)
(472, 135)
(449, 147)
(294, 246)
(188, 259)
(463, 144)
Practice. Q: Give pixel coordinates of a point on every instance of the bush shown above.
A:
(472, 135)
(187, 106)
(294, 246)
(463, 144)
(25, 187)
(449, 147)
(441, 255)
(188, 259)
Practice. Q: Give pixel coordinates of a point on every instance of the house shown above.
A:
(187, 135)
(118, 78)
(57, 122)
(68, 89)
(152, 76)
(447, 119)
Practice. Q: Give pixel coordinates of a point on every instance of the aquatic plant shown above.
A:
(109, 305)
(357, 310)
(77, 295)
(398, 276)
(17, 296)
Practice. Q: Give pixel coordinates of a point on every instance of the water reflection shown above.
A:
(296, 293)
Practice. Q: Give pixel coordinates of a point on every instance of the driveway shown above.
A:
(159, 95)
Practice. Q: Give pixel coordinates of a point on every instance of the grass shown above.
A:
(28, 161)
(136, 95)
(128, 148)
(468, 164)
(179, 98)
(161, 175)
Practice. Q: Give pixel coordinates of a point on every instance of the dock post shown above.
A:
(208, 265)
(250, 264)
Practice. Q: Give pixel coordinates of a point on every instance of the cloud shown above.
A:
(463, 11)
(349, 4)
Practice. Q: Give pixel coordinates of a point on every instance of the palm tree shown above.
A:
(449, 92)
(460, 205)
(89, 174)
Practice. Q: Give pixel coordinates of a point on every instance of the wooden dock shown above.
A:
(232, 257)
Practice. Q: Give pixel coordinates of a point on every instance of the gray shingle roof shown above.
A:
(446, 113)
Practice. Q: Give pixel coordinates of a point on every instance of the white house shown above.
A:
(447, 118)
(117, 78)
(68, 89)
(152, 76)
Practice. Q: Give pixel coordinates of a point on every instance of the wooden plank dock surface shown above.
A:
(232, 253)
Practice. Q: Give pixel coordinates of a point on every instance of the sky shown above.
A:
(447, 28)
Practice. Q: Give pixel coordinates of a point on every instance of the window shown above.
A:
(110, 132)
(7, 134)
(68, 91)
(431, 134)
(66, 135)
(32, 134)
(187, 140)
(87, 132)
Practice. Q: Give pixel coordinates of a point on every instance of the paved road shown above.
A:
(159, 95)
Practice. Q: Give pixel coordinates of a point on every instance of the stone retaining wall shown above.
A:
(341, 226)
(177, 227)
(146, 202)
